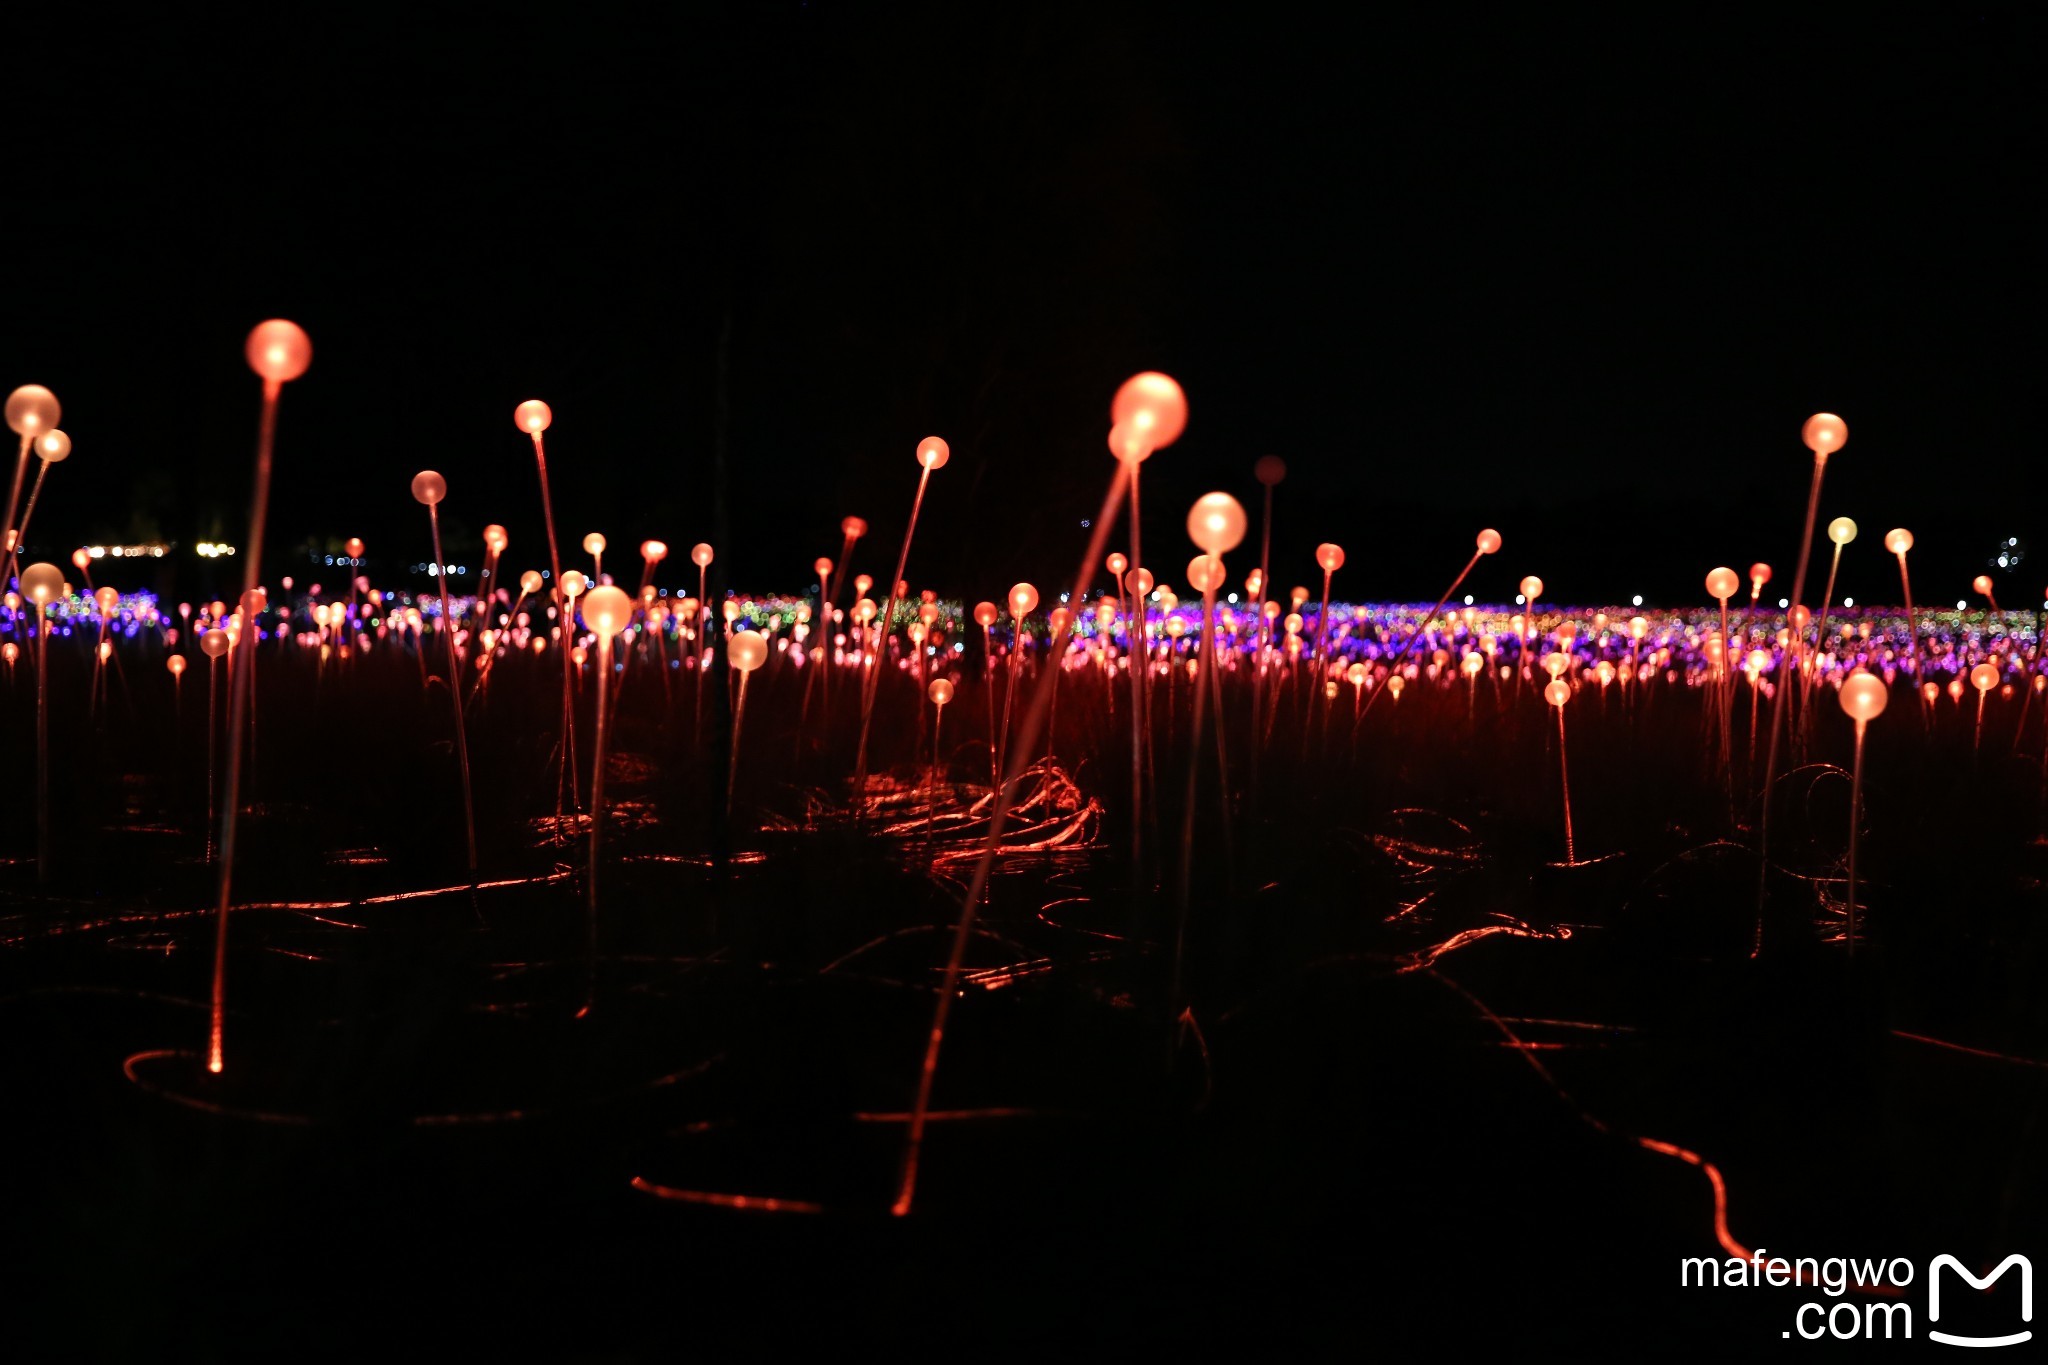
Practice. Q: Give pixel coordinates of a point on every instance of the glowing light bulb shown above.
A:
(428, 487)
(985, 613)
(1488, 542)
(747, 650)
(43, 583)
(529, 582)
(1984, 677)
(1532, 588)
(1898, 540)
(593, 544)
(1825, 434)
(1759, 574)
(1981, 585)
(1216, 523)
(1023, 601)
(853, 528)
(54, 446)
(933, 453)
(1722, 584)
(1558, 693)
(574, 584)
(1205, 574)
(607, 610)
(213, 643)
(700, 554)
(1153, 407)
(32, 410)
(533, 417)
(279, 351)
(1330, 557)
(941, 690)
(1841, 530)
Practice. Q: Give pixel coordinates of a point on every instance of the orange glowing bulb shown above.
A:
(32, 410)
(861, 584)
(1984, 677)
(853, 528)
(1759, 574)
(1841, 530)
(1330, 557)
(53, 446)
(1928, 690)
(747, 651)
(1981, 585)
(941, 691)
(607, 610)
(533, 416)
(1722, 584)
(1153, 407)
(1117, 564)
(574, 584)
(1898, 540)
(80, 560)
(985, 613)
(1558, 693)
(43, 583)
(1216, 523)
(529, 582)
(428, 487)
(1394, 686)
(1138, 582)
(1488, 542)
(213, 643)
(1557, 664)
(653, 551)
(1023, 601)
(1825, 434)
(700, 554)
(1205, 574)
(1955, 690)
(278, 350)
(176, 663)
(1532, 588)
(933, 453)
(593, 544)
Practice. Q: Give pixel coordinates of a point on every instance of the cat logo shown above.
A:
(2026, 1298)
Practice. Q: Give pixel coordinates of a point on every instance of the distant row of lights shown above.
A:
(208, 549)
(128, 551)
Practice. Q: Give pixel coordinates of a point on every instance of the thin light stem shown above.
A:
(455, 687)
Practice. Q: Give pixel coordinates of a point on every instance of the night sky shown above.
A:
(1579, 279)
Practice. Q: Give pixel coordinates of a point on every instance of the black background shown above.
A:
(1577, 277)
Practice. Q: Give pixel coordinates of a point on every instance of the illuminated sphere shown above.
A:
(495, 539)
(1394, 685)
(594, 543)
(32, 410)
(1117, 564)
(853, 528)
(106, 599)
(1981, 584)
(533, 416)
(213, 643)
(1532, 588)
(1898, 540)
(1841, 530)
(1205, 573)
(700, 554)
(530, 581)
(607, 611)
(1864, 696)
(653, 551)
(1928, 690)
(54, 446)
(1558, 693)
(574, 584)
(822, 567)
(428, 487)
(278, 350)
(1153, 406)
(1216, 523)
(1984, 677)
(79, 558)
(941, 690)
(747, 651)
(176, 663)
(1059, 618)
(1825, 433)
(1138, 581)
(1023, 601)
(985, 613)
(933, 453)
(1269, 470)
(1357, 674)
(355, 546)
(1331, 557)
(1557, 663)
(42, 583)
(1128, 445)
(1759, 574)
(861, 584)
(1955, 690)
(1488, 542)
(1722, 584)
